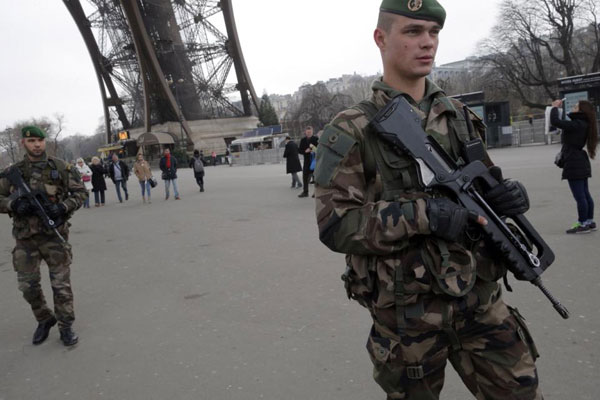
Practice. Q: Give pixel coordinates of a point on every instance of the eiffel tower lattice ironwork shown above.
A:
(165, 60)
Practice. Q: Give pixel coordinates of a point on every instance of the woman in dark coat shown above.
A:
(98, 183)
(292, 162)
(580, 131)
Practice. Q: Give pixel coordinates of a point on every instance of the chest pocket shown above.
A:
(54, 185)
(398, 171)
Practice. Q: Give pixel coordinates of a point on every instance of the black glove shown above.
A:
(509, 198)
(447, 219)
(22, 206)
(56, 211)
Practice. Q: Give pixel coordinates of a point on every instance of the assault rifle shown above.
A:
(36, 198)
(526, 253)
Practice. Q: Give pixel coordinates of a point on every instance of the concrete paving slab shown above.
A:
(228, 294)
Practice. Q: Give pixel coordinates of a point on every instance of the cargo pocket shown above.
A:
(452, 266)
(523, 332)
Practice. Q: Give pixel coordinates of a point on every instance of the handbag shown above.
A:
(313, 161)
(152, 182)
(559, 159)
(86, 178)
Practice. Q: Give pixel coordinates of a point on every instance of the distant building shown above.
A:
(456, 69)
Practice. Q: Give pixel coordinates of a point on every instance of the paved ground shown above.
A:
(228, 294)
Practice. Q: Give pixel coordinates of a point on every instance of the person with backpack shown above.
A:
(198, 166)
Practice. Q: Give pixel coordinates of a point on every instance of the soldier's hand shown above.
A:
(56, 210)
(21, 206)
(508, 198)
(448, 220)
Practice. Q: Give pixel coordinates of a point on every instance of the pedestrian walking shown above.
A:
(581, 131)
(118, 172)
(213, 157)
(98, 182)
(308, 144)
(430, 287)
(142, 171)
(86, 177)
(168, 166)
(61, 184)
(228, 156)
(292, 161)
(198, 167)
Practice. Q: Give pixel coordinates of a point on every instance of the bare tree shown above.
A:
(9, 143)
(535, 43)
(317, 106)
(54, 132)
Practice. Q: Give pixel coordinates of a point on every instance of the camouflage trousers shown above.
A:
(489, 346)
(27, 258)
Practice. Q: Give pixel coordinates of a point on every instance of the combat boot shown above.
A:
(68, 337)
(41, 332)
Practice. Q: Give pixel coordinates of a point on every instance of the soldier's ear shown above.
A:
(380, 37)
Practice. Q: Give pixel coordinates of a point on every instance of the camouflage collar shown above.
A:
(43, 159)
(383, 93)
(440, 106)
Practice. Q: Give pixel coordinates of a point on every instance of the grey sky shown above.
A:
(46, 68)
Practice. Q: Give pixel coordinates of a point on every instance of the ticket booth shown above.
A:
(581, 87)
(495, 115)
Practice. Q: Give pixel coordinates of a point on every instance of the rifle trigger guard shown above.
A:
(534, 260)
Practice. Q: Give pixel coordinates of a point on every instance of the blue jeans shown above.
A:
(118, 185)
(145, 185)
(99, 196)
(167, 184)
(585, 204)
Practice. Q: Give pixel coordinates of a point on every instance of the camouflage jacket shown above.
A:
(385, 233)
(59, 180)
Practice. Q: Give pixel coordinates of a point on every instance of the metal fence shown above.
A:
(525, 133)
(271, 156)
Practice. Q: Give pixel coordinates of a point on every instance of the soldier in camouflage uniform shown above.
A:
(66, 193)
(429, 285)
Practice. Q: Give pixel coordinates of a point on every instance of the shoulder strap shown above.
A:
(370, 110)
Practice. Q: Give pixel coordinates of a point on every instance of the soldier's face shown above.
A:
(408, 48)
(35, 147)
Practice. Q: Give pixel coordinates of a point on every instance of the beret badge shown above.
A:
(415, 5)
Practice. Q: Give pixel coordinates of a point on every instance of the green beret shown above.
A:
(429, 10)
(32, 131)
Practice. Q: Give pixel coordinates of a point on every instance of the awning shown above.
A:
(110, 148)
(152, 138)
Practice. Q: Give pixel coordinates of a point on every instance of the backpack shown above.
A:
(198, 166)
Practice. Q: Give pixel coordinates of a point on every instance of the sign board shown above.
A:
(572, 98)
